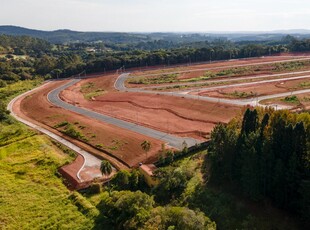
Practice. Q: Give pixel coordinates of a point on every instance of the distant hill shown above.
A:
(69, 36)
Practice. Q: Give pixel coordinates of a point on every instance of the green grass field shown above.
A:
(12, 90)
(32, 195)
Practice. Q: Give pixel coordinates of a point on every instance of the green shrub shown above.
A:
(61, 124)
(84, 205)
(291, 99)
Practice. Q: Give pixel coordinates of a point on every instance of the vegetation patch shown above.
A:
(10, 133)
(71, 130)
(237, 94)
(291, 99)
(61, 124)
(206, 76)
(238, 71)
(9, 91)
(163, 78)
(115, 145)
(90, 91)
(306, 99)
(32, 196)
(304, 84)
(290, 66)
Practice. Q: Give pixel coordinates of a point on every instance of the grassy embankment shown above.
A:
(32, 193)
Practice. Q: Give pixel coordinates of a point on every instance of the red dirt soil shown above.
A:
(70, 172)
(180, 116)
(35, 107)
(284, 56)
(258, 89)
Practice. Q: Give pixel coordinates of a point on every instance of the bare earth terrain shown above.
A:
(191, 113)
(122, 144)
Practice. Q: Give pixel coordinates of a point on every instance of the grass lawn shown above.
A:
(32, 196)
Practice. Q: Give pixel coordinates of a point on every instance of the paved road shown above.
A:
(171, 140)
(120, 85)
(225, 79)
(247, 84)
(90, 161)
(231, 66)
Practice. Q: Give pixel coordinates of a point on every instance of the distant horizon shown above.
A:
(280, 31)
(162, 15)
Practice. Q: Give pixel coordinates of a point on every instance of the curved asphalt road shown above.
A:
(120, 85)
(174, 141)
(90, 161)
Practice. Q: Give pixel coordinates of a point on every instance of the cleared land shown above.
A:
(180, 116)
(184, 69)
(245, 69)
(107, 139)
(256, 90)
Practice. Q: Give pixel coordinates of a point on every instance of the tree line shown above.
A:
(57, 61)
(265, 156)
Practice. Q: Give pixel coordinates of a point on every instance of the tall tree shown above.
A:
(106, 168)
(146, 146)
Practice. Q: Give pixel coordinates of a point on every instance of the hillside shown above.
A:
(69, 36)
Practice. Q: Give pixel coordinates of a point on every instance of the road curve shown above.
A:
(89, 159)
(173, 141)
(120, 85)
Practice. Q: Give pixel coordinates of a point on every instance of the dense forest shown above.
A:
(258, 160)
(37, 57)
(265, 157)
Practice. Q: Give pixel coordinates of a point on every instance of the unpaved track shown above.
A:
(90, 161)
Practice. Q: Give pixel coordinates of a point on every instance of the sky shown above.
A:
(157, 15)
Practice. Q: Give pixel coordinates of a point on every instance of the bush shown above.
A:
(2, 83)
(84, 205)
(94, 189)
(61, 124)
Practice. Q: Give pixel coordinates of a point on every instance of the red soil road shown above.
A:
(36, 108)
(224, 64)
(179, 116)
(259, 89)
